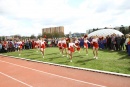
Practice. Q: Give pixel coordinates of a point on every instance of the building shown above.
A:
(78, 34)
(59, 29)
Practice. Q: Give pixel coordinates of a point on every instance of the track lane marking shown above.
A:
(54, 74)
(16, 79)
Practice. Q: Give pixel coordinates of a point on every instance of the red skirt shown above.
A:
(64, 45)
(85, 45)
(71, 49)
(78, 48)
(59, 45)
(76, 44)
(95, 45)
(43, 46)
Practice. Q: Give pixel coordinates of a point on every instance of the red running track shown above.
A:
(22, 73)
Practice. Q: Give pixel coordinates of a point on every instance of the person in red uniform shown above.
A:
(42, 46)
(86, 45)
(95, 46)
(77, 42)
(67, 41)
(64, 46)
(33, 44)
(60, 45)
(20, 46)
(5, 45)
(37, 45)
(71, 49)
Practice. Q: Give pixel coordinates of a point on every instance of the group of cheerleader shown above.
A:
(66, 46)
(74, 45)
(39, 45)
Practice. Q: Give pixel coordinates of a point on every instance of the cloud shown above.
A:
(26, 17)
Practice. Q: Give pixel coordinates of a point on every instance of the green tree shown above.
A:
(122, 29)
(39, 35)
(32, 36)
(129, 29)
(17, 36)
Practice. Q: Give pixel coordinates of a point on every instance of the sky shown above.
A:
(27, 17)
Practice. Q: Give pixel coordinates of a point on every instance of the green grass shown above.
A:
(108, 61)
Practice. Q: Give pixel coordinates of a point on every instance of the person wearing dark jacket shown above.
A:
(122, 42)
(118, 41)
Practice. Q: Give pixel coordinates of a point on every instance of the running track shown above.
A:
(22, 73)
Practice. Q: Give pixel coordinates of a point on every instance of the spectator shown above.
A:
(126, 41)
(122, 42)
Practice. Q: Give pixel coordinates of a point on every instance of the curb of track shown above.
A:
(86, 69)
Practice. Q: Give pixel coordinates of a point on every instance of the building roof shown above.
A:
(105, 32)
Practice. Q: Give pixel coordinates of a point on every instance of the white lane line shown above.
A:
(54, 74)
(16, 79)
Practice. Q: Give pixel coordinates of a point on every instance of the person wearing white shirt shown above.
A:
(42, 46)
(77, 42)
(19, 47)
(64, 46)
(86, 45)
(95, 46)
(126, 41)
(60, 45)
(71, 49)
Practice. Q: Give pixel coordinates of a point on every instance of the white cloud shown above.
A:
(28, 17)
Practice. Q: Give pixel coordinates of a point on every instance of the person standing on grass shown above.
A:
(86, 45)
(77, 42)
(60, 45)
(64, 47)
(19, 46)
(42, 47)
(71, 49)
(37, 43)
(95, 46)
(126, 42)
(122, 42)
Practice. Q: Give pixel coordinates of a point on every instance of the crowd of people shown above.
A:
(69, 45)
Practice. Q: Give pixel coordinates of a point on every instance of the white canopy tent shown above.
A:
(105, 32)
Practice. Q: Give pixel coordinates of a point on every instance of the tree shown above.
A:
(105, 28)
(122, 29)
(93, 29)
(39, 35)
(129, 29)
(17, 36)
(2, 38)
(32, 36)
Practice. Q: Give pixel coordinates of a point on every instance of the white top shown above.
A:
(38, 41)
(63, 41)
(59, 41)
(72, 45)
(126, 41)
(20, 42)
(86, 41)
(42, 42)
(77, 41)
(95, 40)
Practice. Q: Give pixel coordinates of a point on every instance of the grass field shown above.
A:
(108, 61)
